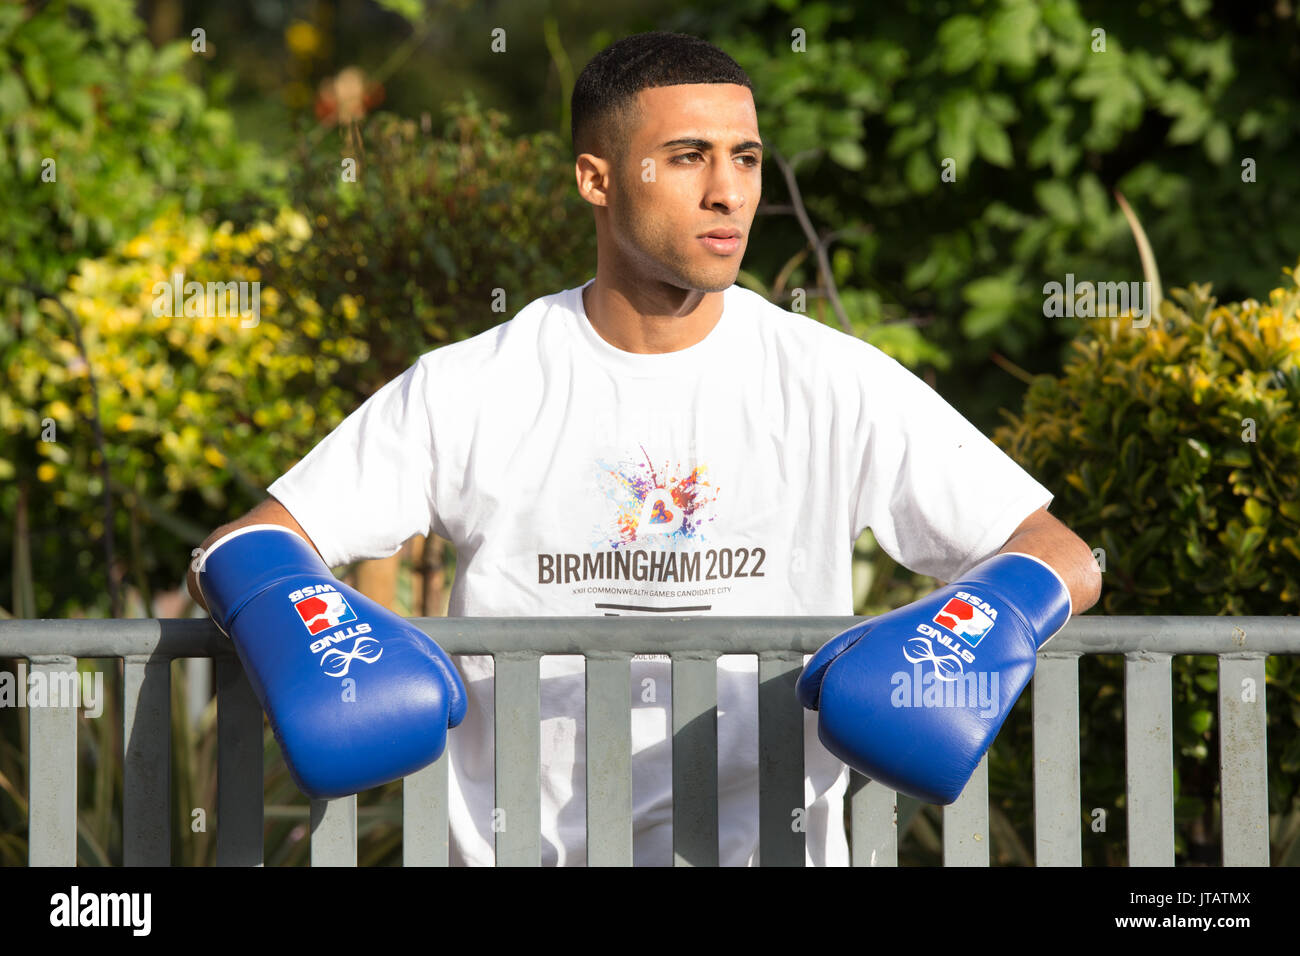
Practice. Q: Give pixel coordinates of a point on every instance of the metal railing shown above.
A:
(1148, 644)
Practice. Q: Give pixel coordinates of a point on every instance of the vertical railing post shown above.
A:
(146, 764)
(517, 816)
(239, 767)
(966, 822)
(1149, 758)
(695, 758)
(1058, 837)
(1243, 760)
(873, 811)
(781, 827)
(425, 835)
(334, 832)
(609, 760)
(52, 773)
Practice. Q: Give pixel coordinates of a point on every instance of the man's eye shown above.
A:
(683, 156)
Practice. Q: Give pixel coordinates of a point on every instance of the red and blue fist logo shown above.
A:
(965, 620)
(321, 611)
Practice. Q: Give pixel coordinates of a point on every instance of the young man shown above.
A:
(661, 439)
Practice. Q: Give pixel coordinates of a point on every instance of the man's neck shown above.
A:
(650, 320)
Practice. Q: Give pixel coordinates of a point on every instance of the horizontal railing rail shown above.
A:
(147, 647)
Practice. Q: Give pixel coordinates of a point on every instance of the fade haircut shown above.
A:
(603, 107)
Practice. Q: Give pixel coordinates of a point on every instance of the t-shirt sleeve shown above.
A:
(937, 494)
(368, 486)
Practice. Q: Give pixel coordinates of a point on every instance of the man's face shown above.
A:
(705, 177)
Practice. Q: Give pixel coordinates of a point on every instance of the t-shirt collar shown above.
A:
(682, 362)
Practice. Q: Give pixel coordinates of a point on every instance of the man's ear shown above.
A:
(593, 175)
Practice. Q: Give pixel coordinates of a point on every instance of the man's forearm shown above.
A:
(1046, 538)
(269, 511)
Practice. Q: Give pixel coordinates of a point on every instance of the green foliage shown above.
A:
(431, 229)
(1039, 124)
(197, 412)
(99, 132)
(1175, 450)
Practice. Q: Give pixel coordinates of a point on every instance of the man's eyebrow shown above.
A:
(703, 145)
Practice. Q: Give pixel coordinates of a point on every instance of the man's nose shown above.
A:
(726, 189)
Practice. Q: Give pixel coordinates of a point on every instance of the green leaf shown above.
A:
(1256, 513)
(1218, 143)
(908, 138)
(1058, 200)
(921, 173)
(961, 43)
(958, 115)
(979, 322)
(77, 104)
(13, 95)
(848, 154)
(1011, 35)
(993, 142)
(410, 10)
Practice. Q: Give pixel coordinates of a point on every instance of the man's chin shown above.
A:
(704, 282)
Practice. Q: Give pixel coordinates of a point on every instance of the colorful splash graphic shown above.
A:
(655, 506)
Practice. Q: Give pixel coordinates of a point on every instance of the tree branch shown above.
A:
(818, 245)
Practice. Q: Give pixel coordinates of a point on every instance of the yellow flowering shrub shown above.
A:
(198, 410)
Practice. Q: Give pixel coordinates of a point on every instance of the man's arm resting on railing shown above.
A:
(299, 632)
(1046, 538)
(981, 631)
(269, 511)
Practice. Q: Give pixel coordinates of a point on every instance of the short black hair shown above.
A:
(603, 97)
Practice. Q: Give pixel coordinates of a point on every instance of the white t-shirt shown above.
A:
(543, 453)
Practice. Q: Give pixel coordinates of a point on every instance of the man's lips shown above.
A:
(722, 241)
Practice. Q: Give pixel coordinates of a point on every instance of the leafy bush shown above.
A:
(1175, 450)
(195, 411)
(432, 227)
(99, 133)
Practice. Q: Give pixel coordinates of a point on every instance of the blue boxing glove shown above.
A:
(356, 695)
(914, 698)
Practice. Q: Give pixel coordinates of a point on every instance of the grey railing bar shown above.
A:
(334, 832)
(425, 840)
(609, 760)
(1149, 758)
(1058, 838)
(873, 816)
(146, 764)
(695, 758)
(1243, 760)
(239, 767)
(781, 823)
(52, 774)
(198, 637)
(517, 815)
(966, 822)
